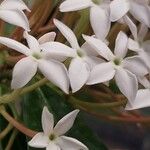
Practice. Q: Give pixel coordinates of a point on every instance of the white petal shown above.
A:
(100, 46)
(15, 45)
(101, 73)
(65, 123)
(48, 37)
(68, 143)
(144, 81)
(142, 32)
(58, 49)
(52, 146)
(121, 45)
(135, 65)
(100, 21)
(67, 33)
(23, 72)
(73, 5)
(142, 15)
(133, 45)
(131, 26)
(93, 61)
(14, 4)
(32, 42)
(78, 73)
(19, 18)
(56, 73)
(145, 57)
(146, 46)
(47, 121)
(118, 8)
(89, 50)
(39, 141)
(142, 100)
(127, 83)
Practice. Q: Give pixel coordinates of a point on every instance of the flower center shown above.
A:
(117, 61)
(80, 53)
(97, 1)
(52, 137)
(36, 55)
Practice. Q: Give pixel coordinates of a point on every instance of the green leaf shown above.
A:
(33, 104)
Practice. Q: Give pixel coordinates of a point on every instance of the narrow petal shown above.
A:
(121, 45)
(15, 45)
(93, 61)
(58, 49)
(100, 21)
(73, 5)
(52, 146)
(39, 141)
(23, 72)
(133, 45)
(145, 57)
(65, 123)
(100, 46)
(78, 73)
(56, 73)
(32, 42)
(48, 37)
(14, 4)
(68, 143)
(142, 15)
(142, 32)
(127, 83)
(118, 8)
(142, 100)
(47, 121)
(132, 26)
(19, 18)
(146, 46)
(101, 73)
(89, 50)
(135, 65)
(67, 33)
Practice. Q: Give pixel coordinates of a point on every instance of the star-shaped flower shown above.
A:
(139, 45)
(53, 137)
(99, 14)
(38, 56)
(139, 9)
(123, 69)
(143, 96)
(11, 11)
(84, 58)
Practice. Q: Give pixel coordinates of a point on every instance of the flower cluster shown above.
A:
(93, 62)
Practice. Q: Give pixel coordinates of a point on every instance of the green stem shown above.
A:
(11, 140)
(74, 101)
(16, 124)
(6, 131)
(82, 23)
(14, 95)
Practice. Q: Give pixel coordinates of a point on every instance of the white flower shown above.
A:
(11, 11)
(142, 98)
(138, 8)
(139, 45)
(123, 69)
(39, 56)
(84, 58)
(52, 138)
(99, 14)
